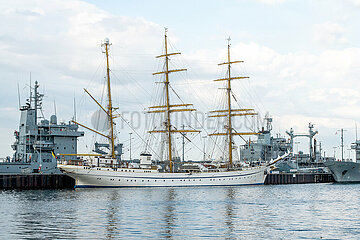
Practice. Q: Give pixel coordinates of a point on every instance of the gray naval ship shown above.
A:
(268, 147)
(346, 171)
(40, 144)
(265, 148)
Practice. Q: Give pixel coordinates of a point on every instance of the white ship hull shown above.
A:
(124, 177)
(344, 172)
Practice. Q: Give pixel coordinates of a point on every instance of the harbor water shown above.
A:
(301, 211)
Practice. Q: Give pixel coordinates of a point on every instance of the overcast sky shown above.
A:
(302, 57)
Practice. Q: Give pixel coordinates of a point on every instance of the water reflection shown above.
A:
(169, 216)
(111, 215)
(229, 209)
(269, 212)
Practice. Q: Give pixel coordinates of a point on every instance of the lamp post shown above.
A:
(342, 143)
(296, 157)
(183, 144)
(204, 137)
(297, 146)
(130, 146)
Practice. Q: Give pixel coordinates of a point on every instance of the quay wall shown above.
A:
(298, 178)
(36, 181)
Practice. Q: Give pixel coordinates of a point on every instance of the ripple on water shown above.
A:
(313, 211)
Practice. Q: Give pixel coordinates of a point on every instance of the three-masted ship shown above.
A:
(147, 174)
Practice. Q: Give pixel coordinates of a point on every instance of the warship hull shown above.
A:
(344, 172)
(117, 177)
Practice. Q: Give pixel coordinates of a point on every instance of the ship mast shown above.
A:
(168, 123)
(168, 107)
(109, 110)
(228, 91)
(228, 113)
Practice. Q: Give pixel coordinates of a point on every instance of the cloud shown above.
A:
(300, 85)
(272, 1)
(63, 41)
(330, 34)
(354, 2)
(59, 42)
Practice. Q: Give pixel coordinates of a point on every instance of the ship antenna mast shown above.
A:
(18, 91)
(30, 99)
(36, 100)
(106, 44)
(228, 113)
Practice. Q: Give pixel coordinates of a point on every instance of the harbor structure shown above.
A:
(310, 135)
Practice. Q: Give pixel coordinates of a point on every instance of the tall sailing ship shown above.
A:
(148, 174)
